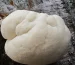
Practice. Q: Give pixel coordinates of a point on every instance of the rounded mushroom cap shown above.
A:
(35, 38)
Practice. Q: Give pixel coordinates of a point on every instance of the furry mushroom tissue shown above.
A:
(35, 38)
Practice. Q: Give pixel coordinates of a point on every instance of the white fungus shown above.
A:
(35, 38)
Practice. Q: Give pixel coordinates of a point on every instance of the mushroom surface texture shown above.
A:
(35, 38)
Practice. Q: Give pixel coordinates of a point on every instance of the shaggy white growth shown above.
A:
(35, 38)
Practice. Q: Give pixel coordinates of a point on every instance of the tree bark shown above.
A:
(63, 8)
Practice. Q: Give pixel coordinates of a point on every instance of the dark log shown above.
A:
(64, 8)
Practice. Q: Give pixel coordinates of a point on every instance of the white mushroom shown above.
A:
(35, 38)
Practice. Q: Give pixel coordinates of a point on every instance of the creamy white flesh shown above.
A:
(35, 38)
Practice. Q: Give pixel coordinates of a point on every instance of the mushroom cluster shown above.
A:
(35, 38)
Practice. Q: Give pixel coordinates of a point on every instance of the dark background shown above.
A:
(64, 8)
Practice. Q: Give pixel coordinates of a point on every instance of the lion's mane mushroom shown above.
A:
(35, 38)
